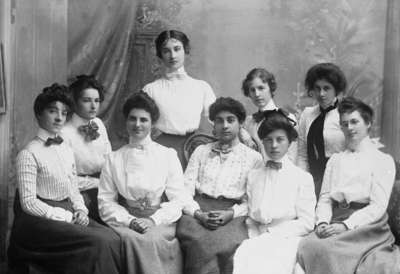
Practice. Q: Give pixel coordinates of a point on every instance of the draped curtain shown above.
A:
(99, 35)
(391, 81)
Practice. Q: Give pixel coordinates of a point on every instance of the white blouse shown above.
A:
(280, 201)
(364, 176)
(182, 101)
(89, 156)
(252, 127)
(141, 173)
(333, 135)
(47, 172)
(218, 174)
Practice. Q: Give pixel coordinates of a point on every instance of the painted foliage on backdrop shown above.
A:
(229, 37)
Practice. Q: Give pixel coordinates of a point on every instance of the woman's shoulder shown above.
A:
(310, 110)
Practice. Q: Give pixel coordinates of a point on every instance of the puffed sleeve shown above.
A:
(171, 211)
(27, 168)
(192, 180)
(382, 183)
(302, 158)
(110, 210)
(208, 99)
(305, 211)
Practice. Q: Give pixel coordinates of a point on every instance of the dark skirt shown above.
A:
(155, 252)
(176, 142)
(40, 245)
(368, 249)
(210, 251)
(90, 199)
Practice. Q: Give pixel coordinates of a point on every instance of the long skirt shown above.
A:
(210, 251)
(40, 245)
(176, 142)
(155, 252)
(90, 199)
(368, 249)
(267, 253)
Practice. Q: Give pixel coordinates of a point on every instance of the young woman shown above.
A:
(134, 183)
(213, 225)
(320, 135)
(182, 99)
(52, 232)
(87, 136)
(260, 86)
(281, 203)
(352, 234)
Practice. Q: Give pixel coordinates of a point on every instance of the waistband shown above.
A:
(345, 205)
(94, 175)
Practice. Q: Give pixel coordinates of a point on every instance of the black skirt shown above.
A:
(40, 245)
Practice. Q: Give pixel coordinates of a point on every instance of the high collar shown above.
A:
(77, 120)
(366, 144)
(44, 134)
(144, 142)
(180, 73)
(269, 106)
(232, 147)
(284, 160)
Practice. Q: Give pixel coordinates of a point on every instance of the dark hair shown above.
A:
(164, 36)
(351, 104)
(83, 82)
(275, 120)
(328, 72)
(264, 75)
(227, 104)
(141, 100)
(50, 94)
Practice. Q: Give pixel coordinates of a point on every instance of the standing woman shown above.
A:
(319, 130)
(352, 234)
(260, 86)
(135, 182)
(182, 99)
(87, 136)
(52, 232)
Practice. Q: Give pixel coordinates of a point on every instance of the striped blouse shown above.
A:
(47, 172)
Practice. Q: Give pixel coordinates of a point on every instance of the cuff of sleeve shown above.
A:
(191, 209)
(350, 225)
(59, 214)
(239, 210)
(128, 221)
(156, 219)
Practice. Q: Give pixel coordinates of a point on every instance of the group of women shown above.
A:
(268, 196)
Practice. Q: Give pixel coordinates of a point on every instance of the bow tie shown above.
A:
(273, 165)
(53, 141)
(326, 110)
(89, 131)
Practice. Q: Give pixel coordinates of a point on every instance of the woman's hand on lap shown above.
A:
(80, 218)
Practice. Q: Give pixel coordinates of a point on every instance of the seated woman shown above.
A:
(352, 234)
(52, 232)
(87, 136)
(133, 183)
(281, 203)
(260, 86)
(213, 226)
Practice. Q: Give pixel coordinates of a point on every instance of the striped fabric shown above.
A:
(47, 172)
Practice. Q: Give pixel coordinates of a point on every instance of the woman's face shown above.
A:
(53, 117)
(138, 124)
(88, 103)
(259, 93)
(354, 127)
(173, 54)
(276, 144)
(226, 126)
(324, 93)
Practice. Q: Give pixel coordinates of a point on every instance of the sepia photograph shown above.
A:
(200, 136)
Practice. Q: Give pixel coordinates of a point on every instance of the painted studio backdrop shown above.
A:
(114, 40)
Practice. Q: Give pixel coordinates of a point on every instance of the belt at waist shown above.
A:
(94, 175)
(345, 205)
(139, 209)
